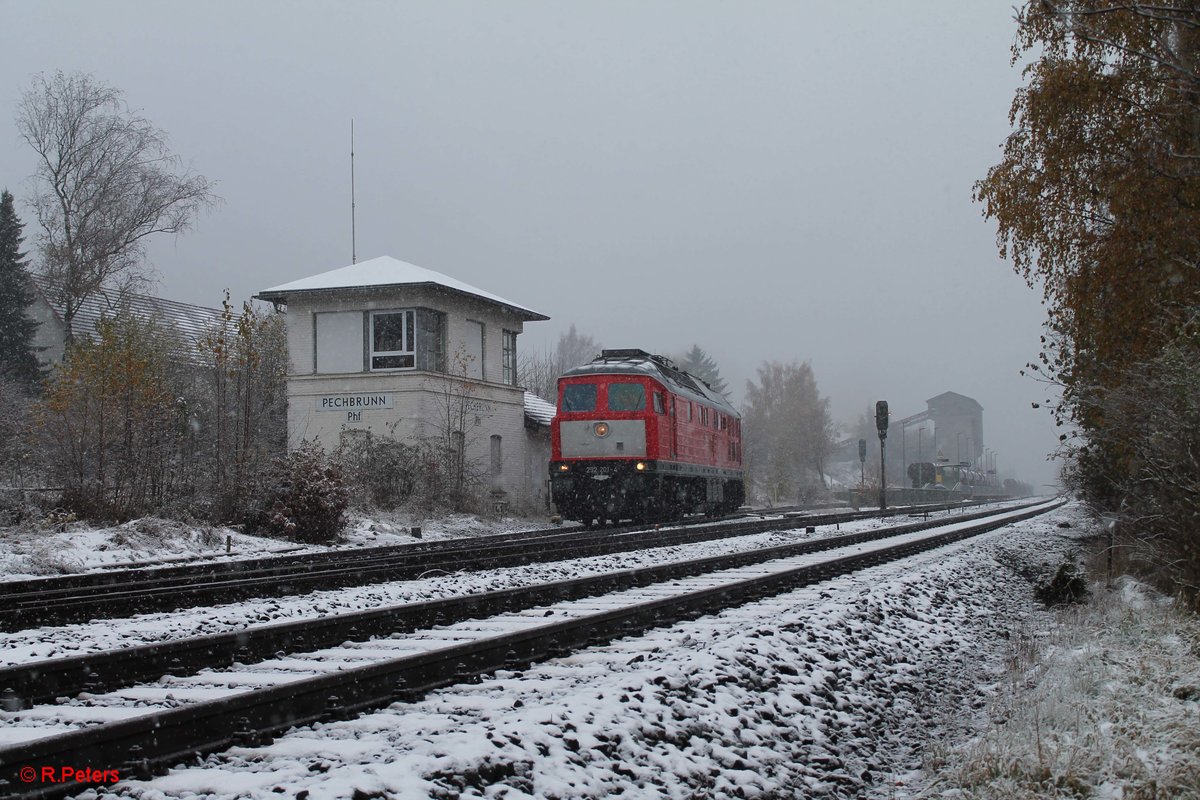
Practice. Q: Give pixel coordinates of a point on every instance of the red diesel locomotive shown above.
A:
(635, 437)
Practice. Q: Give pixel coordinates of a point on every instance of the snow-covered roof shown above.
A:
(538, 410)
(384, 272)
(193, 322)
(635, 361)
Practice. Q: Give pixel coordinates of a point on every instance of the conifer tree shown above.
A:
(17, 359)
(701, 364)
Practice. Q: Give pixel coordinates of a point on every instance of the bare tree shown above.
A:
(789, 432)
(575, 348)
(539, 371)
(105, 181)
(455, 432)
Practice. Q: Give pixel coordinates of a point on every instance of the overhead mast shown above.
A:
(353, 250)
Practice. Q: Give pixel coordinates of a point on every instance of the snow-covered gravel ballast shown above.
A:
(59, 641)
(173, 691)
(832, 690)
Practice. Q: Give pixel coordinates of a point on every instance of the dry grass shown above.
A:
(1107, 705)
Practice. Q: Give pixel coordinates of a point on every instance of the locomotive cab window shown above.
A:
(659, 406)
(579, 397)
(626, 397)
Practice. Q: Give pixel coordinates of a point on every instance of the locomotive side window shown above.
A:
(659, 406)
(579, 397)
(626, 397)
(688, 403)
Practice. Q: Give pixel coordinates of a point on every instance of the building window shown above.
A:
(431, 340)
(458, 454)
(393, 340)
(497, 461)
(409, 339)
(473, 354)
(510, 358)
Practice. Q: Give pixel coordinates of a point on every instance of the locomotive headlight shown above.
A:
(601, 429)
(640, 466)
(564, 467)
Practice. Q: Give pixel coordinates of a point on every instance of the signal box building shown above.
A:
(402, 351)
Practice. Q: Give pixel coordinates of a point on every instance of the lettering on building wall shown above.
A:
(354, 402)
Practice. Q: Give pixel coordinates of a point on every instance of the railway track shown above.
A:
(78, 598)
(150, 727)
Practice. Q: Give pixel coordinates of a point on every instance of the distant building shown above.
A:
(192, 322)
(373, 347)
(949, 430)
(955, 434)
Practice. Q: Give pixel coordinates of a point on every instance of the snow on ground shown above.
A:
(839, 690)
(1105, 704)
(68, 640)
(62, 545)
(936, 677)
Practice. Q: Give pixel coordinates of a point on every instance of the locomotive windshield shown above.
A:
(626, 397)
(579, 397)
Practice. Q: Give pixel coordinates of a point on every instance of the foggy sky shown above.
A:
(785, 181)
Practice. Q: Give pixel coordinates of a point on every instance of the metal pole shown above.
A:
(882, 477)
(353, 244)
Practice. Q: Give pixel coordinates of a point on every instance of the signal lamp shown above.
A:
(601, 429)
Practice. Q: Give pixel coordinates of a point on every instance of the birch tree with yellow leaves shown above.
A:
(1097, 202)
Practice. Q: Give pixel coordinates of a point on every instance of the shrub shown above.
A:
(1142, 464)
(306, 498)
(1066, 587)
(380, 471)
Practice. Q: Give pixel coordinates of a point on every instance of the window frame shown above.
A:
(641, 405)
(496, 455)
(595, 398)
(407, 340)
(508, 357)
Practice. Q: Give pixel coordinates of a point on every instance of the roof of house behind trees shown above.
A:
(193, 322)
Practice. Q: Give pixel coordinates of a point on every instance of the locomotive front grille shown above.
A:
(622, 438)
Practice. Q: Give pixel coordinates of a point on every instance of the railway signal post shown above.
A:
(881, 424)
(862, 464)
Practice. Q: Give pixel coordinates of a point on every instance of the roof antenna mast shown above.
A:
(353, 251)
